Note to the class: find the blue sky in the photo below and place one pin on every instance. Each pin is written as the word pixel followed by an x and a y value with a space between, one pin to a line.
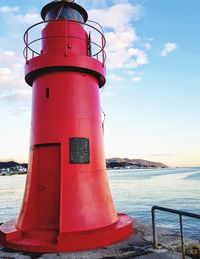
pixel 151 98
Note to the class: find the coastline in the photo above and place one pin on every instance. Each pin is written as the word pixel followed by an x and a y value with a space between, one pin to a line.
pixel 13 168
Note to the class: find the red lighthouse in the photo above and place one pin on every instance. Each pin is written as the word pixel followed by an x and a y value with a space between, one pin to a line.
pixel 67 203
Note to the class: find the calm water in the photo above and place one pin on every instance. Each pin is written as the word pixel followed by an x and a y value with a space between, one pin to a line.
pixel 134 192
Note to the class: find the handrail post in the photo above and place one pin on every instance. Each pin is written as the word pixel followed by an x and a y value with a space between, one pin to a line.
pixel 177 212
pixel 182 236
pixel 102 45
pixel 27 47
pixel 155 245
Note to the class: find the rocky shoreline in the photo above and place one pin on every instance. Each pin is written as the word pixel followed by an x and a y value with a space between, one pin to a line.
pixel 126 163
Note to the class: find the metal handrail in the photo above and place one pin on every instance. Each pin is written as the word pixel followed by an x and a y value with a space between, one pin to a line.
pixel 53 37
pixel 101 46
pixel 100 26
pixel 177 212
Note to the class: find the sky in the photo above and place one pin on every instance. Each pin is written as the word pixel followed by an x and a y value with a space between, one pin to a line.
pixel 151 98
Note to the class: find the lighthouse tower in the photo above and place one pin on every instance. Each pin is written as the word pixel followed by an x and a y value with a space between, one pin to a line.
pixel 67 204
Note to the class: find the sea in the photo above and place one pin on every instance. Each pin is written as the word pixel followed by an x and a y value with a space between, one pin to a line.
pixel 134 192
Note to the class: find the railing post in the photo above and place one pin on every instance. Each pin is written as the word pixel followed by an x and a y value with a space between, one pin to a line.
pixel 177 212
pixel 27 47
pixel 182 236
pixel 102 46
pixel 155 245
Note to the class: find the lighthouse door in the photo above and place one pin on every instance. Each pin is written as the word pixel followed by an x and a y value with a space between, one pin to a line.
pixel 48 185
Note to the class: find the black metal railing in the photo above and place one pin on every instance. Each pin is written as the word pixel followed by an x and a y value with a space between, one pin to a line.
pixel 177 212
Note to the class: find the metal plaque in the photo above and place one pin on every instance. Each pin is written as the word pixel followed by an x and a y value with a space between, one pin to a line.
pixel 79 151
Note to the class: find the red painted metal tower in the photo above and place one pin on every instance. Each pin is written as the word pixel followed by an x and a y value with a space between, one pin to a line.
pixel 67 203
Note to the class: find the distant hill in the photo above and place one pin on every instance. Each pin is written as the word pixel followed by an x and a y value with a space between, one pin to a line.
pixel 11 164
pixel 110 163
pixel 132 163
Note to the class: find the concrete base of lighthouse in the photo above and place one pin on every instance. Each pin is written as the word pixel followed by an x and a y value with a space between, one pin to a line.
pixel 40 240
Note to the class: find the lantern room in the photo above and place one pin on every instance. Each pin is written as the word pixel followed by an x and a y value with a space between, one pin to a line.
pixel 64 10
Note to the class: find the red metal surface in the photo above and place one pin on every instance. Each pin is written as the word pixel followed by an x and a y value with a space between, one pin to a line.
pixel 66 206
pixel 47 240
pixel 98 41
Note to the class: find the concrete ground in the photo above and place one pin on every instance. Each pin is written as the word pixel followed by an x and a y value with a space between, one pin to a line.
pixel 137 246
pixel 165 255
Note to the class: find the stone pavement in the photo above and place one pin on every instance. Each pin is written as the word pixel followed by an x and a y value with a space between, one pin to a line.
pixel 164 255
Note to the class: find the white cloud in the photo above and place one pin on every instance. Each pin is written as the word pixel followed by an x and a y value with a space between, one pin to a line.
pixel 9 9
pixel 15 95
pixel 15 102
pixel 137 78
pixel 139 57
pixel 124 59
pixel 11 71
pixel 116 17
pixel 115 78
pixel 119 40
pixel 168 48
pixel 5 75
pixel 121 35
pixel 28 18
pixel 6 53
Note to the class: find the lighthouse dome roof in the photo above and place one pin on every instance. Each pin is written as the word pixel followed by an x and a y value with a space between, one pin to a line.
pixel 64 10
